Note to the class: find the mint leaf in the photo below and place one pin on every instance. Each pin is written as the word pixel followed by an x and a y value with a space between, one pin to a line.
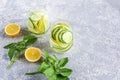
pixel 18 47
pixel 49 59
pixel 29 40
pixel 53 77
pixel 55 57
pixel 11 53
pixel 46 54
pixel 63 62
pixel 49 72
pixel 28 37
pixel 43 67
pixel 53 68
pixel 60 77
pixel 16 56
pixel 65 71
pixel 10 45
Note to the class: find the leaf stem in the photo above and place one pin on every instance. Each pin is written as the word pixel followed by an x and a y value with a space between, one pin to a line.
pixel 33 73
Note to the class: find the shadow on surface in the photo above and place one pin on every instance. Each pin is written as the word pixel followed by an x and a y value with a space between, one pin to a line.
pixel 22 59
pixel 24 31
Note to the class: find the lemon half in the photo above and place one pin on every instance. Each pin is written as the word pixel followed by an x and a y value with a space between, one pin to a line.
pixel 33 54
pixel 12 29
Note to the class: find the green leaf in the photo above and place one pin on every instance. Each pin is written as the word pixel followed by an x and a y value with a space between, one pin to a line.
pixel 60 77
pixel 63 62
pixel 10 45
pixel 49 58
pixel 55 57
pixel 11 53
pixel 19 47
pixel 54 69
pixel 29 40
pixel 17 55
pixel 53 77
pixel 49 72
pixel 28 37
pixel 43 67
pixel 65 71
pixel 46 54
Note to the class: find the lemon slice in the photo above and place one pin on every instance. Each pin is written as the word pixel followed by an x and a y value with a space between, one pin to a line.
pixel 12 29
pixel 33 54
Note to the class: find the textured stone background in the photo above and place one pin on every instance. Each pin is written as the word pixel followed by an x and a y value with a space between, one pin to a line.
pixel 95 54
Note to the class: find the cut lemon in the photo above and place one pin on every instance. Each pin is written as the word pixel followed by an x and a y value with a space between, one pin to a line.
pixel 12 29
pixel 33 54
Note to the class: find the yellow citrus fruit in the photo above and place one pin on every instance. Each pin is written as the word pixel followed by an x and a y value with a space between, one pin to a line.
pixel 12 29
pixel 33 54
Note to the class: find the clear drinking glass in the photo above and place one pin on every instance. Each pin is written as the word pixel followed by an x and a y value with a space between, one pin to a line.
pixel 38 23
pixel 61 37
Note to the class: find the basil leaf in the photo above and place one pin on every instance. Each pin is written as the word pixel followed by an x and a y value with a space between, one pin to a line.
pixel 11 53
pixel 63 62
pixel 43 67
pixel 65 71
pixel 10 45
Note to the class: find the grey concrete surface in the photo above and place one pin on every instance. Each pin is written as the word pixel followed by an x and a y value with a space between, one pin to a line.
pixel 95 54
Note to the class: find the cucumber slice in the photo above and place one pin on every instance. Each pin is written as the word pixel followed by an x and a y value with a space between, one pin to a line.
pixel 36 15
pixel 30 23
pixel 60 36
pixel 54 32
pixel 67 37
pixel 31 26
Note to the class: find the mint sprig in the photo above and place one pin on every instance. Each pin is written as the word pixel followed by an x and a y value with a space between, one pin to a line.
pixel 16 48
pixel 53 68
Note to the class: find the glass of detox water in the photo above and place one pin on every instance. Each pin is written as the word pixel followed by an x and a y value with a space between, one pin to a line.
pixel 38 22
pixel 61 37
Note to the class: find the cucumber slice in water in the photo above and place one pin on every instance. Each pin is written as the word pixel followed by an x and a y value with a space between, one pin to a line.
pixel 61 38
pixel 67 37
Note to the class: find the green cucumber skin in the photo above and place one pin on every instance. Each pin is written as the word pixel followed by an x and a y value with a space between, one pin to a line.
pixel 32 22
pixel 54 32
